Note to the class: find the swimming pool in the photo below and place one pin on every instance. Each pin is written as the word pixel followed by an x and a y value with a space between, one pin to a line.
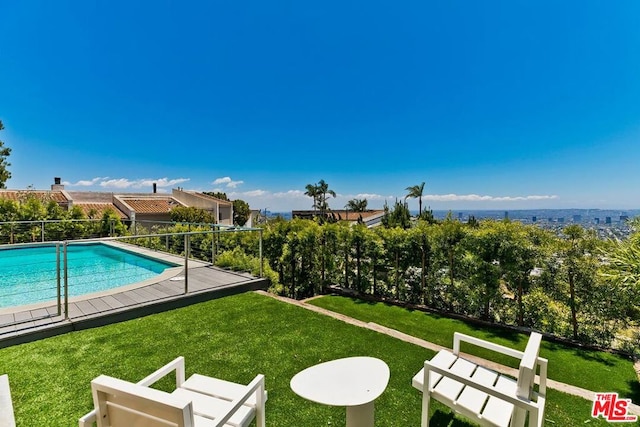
pixel 28 275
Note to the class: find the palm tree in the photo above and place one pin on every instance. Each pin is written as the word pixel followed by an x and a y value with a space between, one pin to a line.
pixel 323 189
pixel 357 205
pixel 416 192
pixel 313 192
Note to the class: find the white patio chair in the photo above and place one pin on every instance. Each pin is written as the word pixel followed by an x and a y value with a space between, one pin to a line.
pixel 200 401
pixel 7 418
pixel 481 394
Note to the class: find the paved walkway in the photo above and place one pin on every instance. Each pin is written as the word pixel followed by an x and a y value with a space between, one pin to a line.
pixel 556 385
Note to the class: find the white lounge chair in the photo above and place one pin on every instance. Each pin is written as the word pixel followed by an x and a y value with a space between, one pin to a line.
pixel 7 418
pixel 481 394
pixel 198 401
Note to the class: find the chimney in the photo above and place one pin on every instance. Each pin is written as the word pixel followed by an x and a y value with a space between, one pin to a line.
pixel 155 188
pixel 57 186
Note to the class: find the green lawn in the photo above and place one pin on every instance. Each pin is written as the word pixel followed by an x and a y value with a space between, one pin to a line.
pixel 593 370
pixel 233 338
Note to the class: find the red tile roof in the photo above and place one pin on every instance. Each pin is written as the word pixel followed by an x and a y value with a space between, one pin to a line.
pixel 44 195
pixel 152 205
pixel 99 209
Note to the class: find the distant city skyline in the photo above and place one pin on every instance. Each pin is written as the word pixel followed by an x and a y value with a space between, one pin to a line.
pixel 495 106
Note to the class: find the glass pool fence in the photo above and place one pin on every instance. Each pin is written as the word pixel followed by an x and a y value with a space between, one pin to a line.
pixel 48 272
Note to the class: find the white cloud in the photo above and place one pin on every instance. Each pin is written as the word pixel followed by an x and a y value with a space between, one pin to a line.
pixel 253 193
pixel 224 180
pixel 294 194
pixel 116 183
pixel 85 182
pixel 478 198
pixel 124 183
pixel 369 196
pixel 228 182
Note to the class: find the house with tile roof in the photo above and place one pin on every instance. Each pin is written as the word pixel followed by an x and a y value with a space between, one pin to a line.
pixel 62 198
pixel 145 207
pixel 152 206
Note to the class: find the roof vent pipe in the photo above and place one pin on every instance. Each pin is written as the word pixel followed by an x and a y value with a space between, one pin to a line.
pixel 155 188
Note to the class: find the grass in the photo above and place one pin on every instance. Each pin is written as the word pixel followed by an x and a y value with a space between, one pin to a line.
pixel 593 370
pixel 233 338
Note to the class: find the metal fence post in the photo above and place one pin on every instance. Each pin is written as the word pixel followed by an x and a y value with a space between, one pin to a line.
pixel 66 282
pixel 42 230
pixel 58 277
pixel 187 245
pixel 213 244
pixel 261 260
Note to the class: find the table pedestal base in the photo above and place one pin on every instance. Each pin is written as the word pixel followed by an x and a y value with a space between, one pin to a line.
pixel 360 416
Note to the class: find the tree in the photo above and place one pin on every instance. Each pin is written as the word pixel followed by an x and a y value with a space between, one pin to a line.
pixel 427 216
pixel 241 212
pixel 320 193
pixel 217 195
pixel 579 267
pixel 621 272
pixel 192 214
pixel 483 246
pixel 111 224
pixel 421 244
pixel 312 191
pixel 416 192
pixel 9 210
pixel 357 205
pixel 5 175
pixel 450 235
pixel 323 195
pixel 398 217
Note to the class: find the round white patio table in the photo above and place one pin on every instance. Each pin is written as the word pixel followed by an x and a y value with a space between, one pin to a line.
pixel 354 382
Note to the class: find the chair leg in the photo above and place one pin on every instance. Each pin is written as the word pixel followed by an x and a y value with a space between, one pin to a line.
pixel 425 409
pixel 426 397
pixel 260 407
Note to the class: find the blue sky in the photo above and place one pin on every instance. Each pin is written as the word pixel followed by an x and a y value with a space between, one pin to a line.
pixel 494 105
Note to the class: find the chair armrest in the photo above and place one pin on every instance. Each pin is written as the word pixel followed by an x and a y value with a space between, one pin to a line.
pixel 257 385
pixel 176 365
pixel 527 404
pixel 458 338
pixel 88 420
pixel 542 363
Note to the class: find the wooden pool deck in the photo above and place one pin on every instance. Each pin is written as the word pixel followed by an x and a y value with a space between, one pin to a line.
pixel 166 292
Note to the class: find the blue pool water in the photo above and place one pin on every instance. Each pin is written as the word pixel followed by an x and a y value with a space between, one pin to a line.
pixel 28 275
